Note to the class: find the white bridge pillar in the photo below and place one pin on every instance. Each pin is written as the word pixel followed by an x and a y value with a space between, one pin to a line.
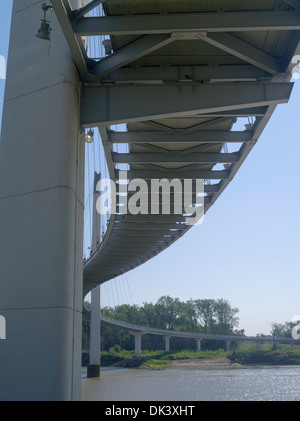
pixel 137 342
pixel 167 343
pixel 227 345
pixel 41 214
pixel 198 342
pixel 93 369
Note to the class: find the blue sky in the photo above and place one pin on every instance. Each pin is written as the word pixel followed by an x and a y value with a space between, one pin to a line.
pixel 248 248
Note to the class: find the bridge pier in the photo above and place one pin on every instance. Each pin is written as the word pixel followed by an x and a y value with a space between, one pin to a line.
pixel 198 342
pixel 137 342
pixel 227 345
pixel 93 368
pixel 258 345
pixel 167 343
pixel 42 197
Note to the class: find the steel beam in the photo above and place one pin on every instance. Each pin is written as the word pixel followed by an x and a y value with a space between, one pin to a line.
pixel 147 233
pixel 153 226
pixel 133 51
pixel 244 51
pixel 157 198
pixel 196 157
pixel 184 73
pixel 129 218
pixel 103 106
pixel 192 22
pixel 208 188
pixel 159 126
pixel 124 241
pixel 171 174
pixel 149 219
pixel 172 197
pixel 125 255
pixel 79 13
pixel 64 14
pixel 246 112
pixel 209 123
pixel 209 136
pixel 135 248
pixel 294 3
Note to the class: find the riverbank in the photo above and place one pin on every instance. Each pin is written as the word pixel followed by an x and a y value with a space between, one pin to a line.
pixel 204 362
pixel 244 355
pixel 134 362
pixel 164 359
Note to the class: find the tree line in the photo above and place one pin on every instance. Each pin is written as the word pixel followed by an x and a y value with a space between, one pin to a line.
pixel 213 316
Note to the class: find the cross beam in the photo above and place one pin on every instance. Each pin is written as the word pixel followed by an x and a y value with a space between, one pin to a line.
pixel 209 136
pixel 294 3
pixel 210 22
pixel 244 51
pixel 173 173
pixel 64 14
pixel 133 51
pixel 242 72
pixel 79 13
pixel 199 158
pixel 103 106
pixel 208 188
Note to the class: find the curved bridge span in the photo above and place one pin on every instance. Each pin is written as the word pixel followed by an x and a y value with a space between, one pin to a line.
pixel 178 76
pixel 137 331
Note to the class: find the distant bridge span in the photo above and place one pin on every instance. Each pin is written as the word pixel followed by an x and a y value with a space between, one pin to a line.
pixel 137 331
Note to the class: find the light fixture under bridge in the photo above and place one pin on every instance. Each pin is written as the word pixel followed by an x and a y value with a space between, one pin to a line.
pixel 44 28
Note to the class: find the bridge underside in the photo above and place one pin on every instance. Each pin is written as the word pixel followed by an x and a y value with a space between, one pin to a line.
pixel 179 75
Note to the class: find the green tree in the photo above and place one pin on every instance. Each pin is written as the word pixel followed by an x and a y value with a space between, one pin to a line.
pixel 225 315
pixel 205 312
pixel 189 316
pixel 201 315
pixel 169 311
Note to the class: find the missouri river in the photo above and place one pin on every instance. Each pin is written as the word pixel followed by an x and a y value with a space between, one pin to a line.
pixel 194 384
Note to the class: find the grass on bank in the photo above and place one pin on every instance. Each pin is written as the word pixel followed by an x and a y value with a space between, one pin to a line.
pixel 245 354
pixel 266 354
pixel 152 359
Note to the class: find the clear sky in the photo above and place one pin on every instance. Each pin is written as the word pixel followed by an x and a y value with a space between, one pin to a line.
pixel 248 248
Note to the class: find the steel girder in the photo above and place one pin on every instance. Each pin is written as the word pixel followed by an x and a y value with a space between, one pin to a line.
pixel 104 106
pixel 189 22
pixel 178 81
pixel 159 30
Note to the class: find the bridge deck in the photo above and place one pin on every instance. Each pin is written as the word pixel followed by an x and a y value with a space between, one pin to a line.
pixel 180 76
pixel 108 321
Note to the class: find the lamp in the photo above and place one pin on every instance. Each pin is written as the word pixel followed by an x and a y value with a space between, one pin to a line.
pixel 44 28
pixel 107 46
pixel 89 136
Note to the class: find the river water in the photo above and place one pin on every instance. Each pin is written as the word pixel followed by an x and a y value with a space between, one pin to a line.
pixel 194 384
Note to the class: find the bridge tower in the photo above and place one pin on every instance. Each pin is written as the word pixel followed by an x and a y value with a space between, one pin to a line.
pixel 93 369
pixel 41 213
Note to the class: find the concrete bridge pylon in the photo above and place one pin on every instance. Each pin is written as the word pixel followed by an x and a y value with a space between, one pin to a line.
pixel 41 213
